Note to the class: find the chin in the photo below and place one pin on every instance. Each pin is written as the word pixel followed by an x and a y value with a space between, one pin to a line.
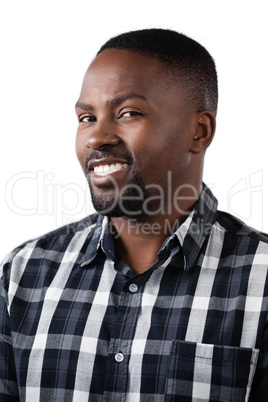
pixel 116 208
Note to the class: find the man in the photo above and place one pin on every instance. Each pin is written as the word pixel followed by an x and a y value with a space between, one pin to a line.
pixel 158 296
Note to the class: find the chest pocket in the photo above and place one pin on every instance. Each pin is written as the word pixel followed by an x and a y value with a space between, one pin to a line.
pixel 202 372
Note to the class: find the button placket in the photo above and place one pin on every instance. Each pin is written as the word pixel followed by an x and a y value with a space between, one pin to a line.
pixel 133 287
pixel 119 357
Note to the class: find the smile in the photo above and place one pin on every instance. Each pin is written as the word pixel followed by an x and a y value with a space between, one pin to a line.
pixel 106 169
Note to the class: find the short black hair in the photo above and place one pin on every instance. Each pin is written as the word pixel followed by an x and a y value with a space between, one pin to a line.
pixel 190 64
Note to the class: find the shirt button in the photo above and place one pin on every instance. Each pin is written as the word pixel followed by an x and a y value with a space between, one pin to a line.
pixel 133 288
pixel 119 357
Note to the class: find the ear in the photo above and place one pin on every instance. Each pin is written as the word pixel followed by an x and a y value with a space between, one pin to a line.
pixel 205 130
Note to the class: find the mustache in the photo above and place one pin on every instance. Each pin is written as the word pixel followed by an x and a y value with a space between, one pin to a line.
pixel 108 154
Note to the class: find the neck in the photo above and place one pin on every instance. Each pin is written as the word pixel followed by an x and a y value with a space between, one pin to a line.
pixel 139 239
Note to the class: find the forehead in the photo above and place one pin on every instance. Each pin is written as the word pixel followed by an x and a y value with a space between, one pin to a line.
pixel 125 69
pixel 125 60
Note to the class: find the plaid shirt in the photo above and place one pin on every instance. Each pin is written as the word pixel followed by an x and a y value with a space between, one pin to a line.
pixel 77 324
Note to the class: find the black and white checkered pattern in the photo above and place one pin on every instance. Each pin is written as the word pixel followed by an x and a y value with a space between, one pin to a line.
pixel 192 328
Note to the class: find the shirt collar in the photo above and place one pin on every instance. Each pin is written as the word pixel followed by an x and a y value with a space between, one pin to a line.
pixel 95 241
pixel 191 234
pixel 197 227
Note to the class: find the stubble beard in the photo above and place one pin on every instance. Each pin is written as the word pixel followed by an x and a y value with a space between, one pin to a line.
pixel 116 203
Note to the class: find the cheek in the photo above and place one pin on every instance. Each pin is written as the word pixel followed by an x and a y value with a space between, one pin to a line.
pixel 80 149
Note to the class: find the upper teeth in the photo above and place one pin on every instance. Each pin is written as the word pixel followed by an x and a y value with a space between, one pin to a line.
pixel 103 170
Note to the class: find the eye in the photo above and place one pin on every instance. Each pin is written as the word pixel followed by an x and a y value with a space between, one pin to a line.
pixel 86 119
pixel 130 113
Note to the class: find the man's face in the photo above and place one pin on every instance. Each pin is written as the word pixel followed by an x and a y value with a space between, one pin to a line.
pixel 134 134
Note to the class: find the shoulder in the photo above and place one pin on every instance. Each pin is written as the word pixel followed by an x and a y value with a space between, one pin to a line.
pixel 234 227
pixel 54 243
pixel 241 241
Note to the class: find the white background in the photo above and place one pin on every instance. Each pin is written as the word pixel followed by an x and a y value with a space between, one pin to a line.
pixel 45 49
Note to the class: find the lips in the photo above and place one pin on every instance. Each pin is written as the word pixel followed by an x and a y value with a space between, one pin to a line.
pixel 104 171
pixel 109 168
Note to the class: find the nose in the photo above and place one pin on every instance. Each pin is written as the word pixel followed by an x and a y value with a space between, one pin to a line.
pixel 102 134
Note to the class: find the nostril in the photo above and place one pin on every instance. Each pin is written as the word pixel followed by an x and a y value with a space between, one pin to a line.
pixel 101 141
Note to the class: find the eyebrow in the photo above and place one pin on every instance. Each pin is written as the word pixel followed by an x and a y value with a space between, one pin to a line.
pixel 115 101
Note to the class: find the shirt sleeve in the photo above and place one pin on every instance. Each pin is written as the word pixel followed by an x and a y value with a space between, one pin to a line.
pixel 259 390
pixel 8 379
